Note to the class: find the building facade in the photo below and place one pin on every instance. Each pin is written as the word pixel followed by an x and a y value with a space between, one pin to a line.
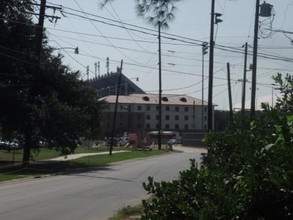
pixel 139 113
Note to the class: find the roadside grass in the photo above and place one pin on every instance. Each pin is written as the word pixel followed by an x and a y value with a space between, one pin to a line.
pixel 129 212
pixel 99 160
pixel 40 169
pixel 133 212
pixel 42 154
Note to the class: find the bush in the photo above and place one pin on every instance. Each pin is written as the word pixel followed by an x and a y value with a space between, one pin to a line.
pixel 247 173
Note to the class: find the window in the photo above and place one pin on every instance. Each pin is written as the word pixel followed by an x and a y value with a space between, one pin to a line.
pixel 176 117
pixel 186 127
pixel 183 99
pixel 139 108
pixel 186 109
pixel 148 108
pixel 157 117
pixel 177 108
pixel 148 117
pixel 167 126
pixel 167 108
pixel 148 126
pixel 146 98
pixel 186 117
pixel 177 126
pixel 167 117
pixel 157 108
pixel 205 118
pixel 165 99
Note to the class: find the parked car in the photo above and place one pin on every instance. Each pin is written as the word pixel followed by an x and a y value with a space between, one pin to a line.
pixel 123 141
pixel 9 145
pixel 172 141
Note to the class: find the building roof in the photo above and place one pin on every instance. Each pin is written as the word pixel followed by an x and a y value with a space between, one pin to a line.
pixel 153 99
pixel 106 84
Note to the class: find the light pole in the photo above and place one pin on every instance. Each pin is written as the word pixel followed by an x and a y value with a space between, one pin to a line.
pixel 204 51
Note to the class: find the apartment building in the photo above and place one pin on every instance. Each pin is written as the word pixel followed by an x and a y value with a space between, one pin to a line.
pixel 139 113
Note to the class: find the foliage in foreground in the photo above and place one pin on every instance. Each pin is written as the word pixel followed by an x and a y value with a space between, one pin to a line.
pixel 247 173
pixel 41 99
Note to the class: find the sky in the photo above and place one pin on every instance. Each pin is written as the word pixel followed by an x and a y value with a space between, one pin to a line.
pixel 118 33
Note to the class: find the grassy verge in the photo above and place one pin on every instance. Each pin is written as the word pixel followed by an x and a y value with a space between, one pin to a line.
pixel 38 169
pixel 130 211
pixel 42 154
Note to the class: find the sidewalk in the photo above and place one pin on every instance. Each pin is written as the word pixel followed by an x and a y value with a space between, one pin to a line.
pixel 189 149
pixel 177 147
pixel 77 156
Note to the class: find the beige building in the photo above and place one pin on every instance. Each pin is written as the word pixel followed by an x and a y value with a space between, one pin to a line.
pixel 139 113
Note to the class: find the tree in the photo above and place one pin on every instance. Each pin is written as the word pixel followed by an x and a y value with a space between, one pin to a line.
pixel 17 46
pixel 157 13
pixel 246 174
pixel 51 104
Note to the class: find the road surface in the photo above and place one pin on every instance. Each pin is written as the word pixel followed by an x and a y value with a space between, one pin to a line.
pixel 91 195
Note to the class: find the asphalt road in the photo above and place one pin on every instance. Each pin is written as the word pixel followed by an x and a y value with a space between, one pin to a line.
pixel 86 196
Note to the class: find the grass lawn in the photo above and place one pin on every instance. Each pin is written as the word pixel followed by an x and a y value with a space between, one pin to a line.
pixel 38 169
pixel 44 153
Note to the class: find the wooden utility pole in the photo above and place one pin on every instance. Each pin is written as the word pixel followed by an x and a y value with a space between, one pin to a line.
pixel 39 31
pixel 204 51
pixel 36 69
pixel 244 83
pixel 254 67
pixel 88 72
pixel 160 92
pixel 211 69
pixel 229 92
pixel 115 110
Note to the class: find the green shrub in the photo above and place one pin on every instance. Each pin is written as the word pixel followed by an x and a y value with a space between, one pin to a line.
pixel 246 174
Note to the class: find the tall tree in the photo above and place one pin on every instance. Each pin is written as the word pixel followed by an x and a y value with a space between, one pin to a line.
pixel 16 51
pixel 157 13
pixel 51 105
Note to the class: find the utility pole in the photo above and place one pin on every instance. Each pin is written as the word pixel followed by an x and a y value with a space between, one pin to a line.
pixel 88 72
pixel 214 20
pixel 244 83
pixel 160 91
pixel 107 65
pixel 36 70
pixel 96 68
pixel 115 110
pixel 99 71
pixel 229 92
pixel 204 51
pixel 211 70
pixel 254 67
pixel 39 31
